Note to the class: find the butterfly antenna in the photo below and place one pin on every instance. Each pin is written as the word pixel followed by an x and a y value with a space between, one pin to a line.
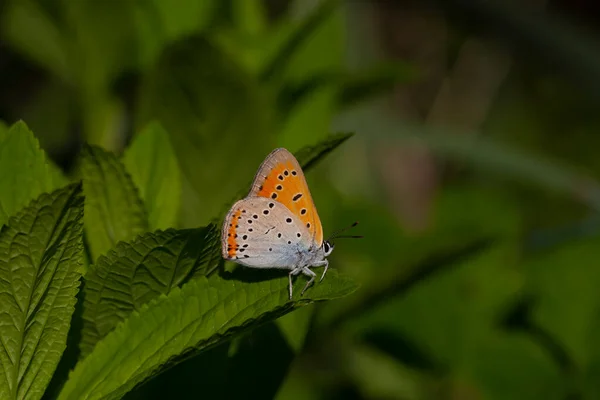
pixel 336 234
pixel 349 237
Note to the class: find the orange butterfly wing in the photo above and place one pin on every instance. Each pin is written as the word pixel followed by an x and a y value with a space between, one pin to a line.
pixel 280 178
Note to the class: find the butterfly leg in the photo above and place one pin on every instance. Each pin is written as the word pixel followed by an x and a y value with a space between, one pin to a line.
pixel 326 263
pixel 293 272
pixel 312 275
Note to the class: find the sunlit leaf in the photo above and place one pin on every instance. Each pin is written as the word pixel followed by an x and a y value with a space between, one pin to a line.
pixel 135 272
pixel 203 313
pixel 40 266
pixel 25 172
pixel 113 209
pixel 152 164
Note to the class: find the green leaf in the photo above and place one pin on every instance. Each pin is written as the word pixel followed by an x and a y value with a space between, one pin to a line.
pixel 152 163
pixel 136 272
pixel 203 313
pixel 40 265
pixel 219 119
pixel 24 171
pixel 113 209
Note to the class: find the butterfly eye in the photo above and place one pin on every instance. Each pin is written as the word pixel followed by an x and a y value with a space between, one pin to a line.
pixel 327 247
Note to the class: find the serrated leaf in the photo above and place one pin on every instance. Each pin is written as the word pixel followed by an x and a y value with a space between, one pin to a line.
pixel 136 272
pixel 113 209
pixel 24 170
pixel 40 265
pixel 152 163
pixel 203 313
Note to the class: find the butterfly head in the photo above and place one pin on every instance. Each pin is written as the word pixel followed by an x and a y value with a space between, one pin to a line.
pixel 327 248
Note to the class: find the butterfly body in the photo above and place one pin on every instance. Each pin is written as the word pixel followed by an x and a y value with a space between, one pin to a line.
pixel 277 225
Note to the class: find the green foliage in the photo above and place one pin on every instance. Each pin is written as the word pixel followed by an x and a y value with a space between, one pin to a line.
pixel 177 106
pixel 214 112
pixel 40 266
pixel 113 209
pixel 164 282
pixel 136 272
pixel 202 313
pixel 152 164
pixel 24 171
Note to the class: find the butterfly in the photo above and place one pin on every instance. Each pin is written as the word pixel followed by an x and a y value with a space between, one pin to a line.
pixel 277 224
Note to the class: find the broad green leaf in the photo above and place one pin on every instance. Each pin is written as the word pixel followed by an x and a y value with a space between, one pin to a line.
pixel 24 171
pixel 113 209
pixel 40 265
pixel 218 118
pixel 153 166
pixel 134 273
pixel 203 313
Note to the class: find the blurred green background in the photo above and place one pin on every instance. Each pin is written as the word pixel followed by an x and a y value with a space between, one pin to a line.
pixel 472 173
